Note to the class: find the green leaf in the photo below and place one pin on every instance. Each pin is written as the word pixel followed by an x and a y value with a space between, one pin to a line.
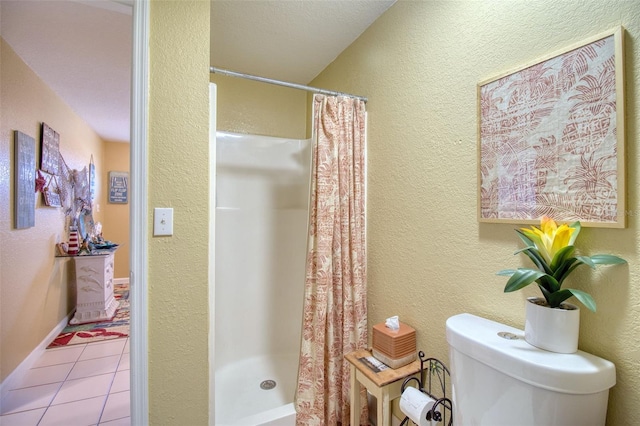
pixel 607 259
pixel 555 299
pixel 537 259
pixel 506 272
pixel 561 256
pixel 522 278
pixel 564 269
pixel 587 261
pixel 527 241
pixel 550 283
pixel 574 235
pixel 533 253
pixel 546 293
pixel 584 298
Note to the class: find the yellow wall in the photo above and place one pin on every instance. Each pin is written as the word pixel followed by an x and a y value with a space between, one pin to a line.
pixel 178 177
pixel 429 258
pixel 246 106
pixel 116 216
pixel 34 291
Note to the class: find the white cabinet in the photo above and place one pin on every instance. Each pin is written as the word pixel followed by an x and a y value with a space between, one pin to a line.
pixel 94 284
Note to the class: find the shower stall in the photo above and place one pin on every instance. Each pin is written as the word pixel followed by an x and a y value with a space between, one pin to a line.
pixel 261 232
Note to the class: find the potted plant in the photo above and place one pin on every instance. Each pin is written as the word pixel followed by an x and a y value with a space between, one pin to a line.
pixel 552 251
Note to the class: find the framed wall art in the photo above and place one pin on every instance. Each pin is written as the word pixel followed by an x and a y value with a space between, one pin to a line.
pixel 119 187
pixel 25 180
pixel 51 190
pixel 50 150
pixel 551 138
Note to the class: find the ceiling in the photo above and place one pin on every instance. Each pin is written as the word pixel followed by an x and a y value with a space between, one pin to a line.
pixel 82 48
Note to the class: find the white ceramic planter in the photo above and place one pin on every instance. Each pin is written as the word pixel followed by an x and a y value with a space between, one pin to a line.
pixel 552 329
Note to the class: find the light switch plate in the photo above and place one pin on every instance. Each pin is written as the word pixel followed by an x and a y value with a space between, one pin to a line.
pixel 162 221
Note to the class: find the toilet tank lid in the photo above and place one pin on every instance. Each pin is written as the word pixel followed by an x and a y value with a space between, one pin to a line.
pixel 577 373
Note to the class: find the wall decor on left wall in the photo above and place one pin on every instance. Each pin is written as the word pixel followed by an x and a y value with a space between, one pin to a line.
pixel 51 190
pixel 50 149
pixel 25 180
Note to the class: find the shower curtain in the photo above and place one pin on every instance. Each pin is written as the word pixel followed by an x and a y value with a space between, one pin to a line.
pixel 335 305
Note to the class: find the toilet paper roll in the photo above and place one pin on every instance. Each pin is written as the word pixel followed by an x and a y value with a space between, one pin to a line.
pixel 415 405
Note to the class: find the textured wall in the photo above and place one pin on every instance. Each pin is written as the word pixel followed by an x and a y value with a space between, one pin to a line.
pixel 429 258
pixel 246 106
pixel 116 216
pixel 179 178
pixel 34 285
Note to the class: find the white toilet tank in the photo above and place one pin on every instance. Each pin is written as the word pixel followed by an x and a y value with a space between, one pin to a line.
pixel 506 381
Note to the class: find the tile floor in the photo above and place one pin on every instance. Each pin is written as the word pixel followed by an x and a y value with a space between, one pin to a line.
pixel 79 385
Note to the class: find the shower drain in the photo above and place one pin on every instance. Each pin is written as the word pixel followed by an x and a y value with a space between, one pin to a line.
pixel 268 384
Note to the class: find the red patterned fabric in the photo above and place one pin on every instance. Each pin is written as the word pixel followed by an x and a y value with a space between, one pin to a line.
pixel 335 305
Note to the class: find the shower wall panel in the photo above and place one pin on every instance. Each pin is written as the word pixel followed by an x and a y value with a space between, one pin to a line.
pixel 261 233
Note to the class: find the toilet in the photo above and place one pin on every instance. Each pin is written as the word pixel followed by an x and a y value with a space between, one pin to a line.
pixel 499 379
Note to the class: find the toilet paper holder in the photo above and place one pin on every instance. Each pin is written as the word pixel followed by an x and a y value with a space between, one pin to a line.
pixel 435 382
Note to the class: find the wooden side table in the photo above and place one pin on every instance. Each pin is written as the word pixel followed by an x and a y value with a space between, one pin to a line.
pixel 384 385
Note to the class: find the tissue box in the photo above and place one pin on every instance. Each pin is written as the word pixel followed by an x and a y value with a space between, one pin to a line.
pixel 396 348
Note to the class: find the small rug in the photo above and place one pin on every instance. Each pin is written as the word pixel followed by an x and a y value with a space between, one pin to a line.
pixel 96 331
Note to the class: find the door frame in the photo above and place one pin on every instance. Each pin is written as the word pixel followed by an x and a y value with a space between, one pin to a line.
pixel 139 395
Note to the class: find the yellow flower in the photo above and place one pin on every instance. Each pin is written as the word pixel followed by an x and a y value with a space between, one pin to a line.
pixel 550 237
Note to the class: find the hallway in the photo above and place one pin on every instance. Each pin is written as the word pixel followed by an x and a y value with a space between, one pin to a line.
pixel 77 385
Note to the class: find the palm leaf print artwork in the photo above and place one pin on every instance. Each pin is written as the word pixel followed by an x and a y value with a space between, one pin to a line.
pixel 549 139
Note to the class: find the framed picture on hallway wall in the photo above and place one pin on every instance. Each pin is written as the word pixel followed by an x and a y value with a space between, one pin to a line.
pixel 551 138
pixel 119 187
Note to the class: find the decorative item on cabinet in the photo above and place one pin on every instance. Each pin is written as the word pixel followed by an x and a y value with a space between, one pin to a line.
pixel 73 241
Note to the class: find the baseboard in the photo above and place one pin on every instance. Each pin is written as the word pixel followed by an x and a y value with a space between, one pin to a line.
pixel 31 359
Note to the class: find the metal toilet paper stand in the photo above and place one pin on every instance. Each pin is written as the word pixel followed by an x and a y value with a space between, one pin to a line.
pixel 433 381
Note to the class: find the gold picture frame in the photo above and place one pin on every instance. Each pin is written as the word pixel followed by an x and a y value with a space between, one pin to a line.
pixel 551 138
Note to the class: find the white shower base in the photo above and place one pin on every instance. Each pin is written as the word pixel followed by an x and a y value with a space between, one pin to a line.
pixel 241 401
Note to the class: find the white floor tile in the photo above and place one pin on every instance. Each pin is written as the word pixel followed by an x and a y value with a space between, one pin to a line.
pixel 124 363
pixel 71 386
pixel 24 418
pixel 89 387
pixel 45 375
pixel 77 413
pixel 119 422
pixel 103 349
pixel 121 382
pixel 59 356
pixel 94 367
pixel 127 345
pixel 29 398
pixel 117 407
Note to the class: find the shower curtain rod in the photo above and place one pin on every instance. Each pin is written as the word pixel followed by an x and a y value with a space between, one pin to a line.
pixel 221 71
